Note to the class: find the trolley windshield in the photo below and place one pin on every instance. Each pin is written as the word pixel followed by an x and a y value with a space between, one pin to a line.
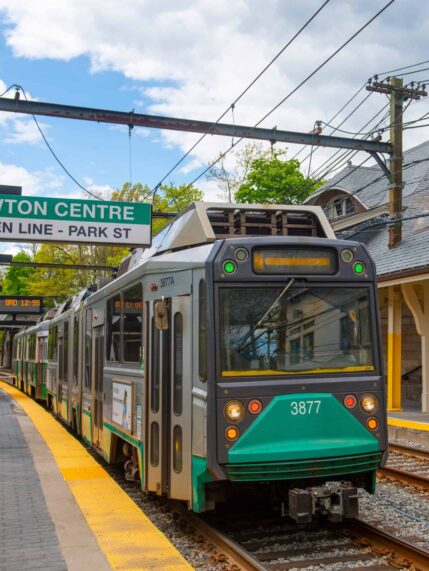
pixel 295 329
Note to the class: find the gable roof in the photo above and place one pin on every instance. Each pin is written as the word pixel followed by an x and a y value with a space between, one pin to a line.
pixel 372 188
pixel 370 185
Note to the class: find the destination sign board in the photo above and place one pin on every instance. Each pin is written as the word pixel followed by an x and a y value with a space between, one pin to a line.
pixel 20 304
pixel 31 219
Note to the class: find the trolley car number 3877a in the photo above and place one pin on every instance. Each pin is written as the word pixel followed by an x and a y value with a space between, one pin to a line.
pixel 302 407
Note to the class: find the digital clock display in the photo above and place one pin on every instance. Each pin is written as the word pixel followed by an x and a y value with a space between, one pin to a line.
pixel 20 304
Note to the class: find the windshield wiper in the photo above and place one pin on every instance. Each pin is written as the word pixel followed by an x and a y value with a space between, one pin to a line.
pixel 266 314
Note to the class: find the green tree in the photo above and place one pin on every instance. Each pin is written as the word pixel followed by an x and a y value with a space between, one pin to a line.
pixel 59 282
pixel 272 179
pixel 261 175
pixel 168 198
pixel 17 281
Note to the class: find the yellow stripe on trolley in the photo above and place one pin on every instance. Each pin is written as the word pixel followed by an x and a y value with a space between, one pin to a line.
pixel 262 372
pixel 127 537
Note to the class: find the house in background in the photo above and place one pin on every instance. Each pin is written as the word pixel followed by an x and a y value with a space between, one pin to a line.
pixel 356 203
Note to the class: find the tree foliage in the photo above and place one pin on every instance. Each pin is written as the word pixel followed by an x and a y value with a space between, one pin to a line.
pixel 260 175
pixel 168 198
pixel 272 179
pixel 17 281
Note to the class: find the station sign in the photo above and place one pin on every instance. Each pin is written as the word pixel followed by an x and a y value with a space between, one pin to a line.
pixel 22 304
pixel 31 219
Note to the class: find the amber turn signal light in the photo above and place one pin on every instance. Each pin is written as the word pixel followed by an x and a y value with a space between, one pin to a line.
pixel 232 433
pixel 254 406
pixel 350 401
pixel 372 423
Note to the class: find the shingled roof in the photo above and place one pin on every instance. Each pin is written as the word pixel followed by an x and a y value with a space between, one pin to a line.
pixel 371 187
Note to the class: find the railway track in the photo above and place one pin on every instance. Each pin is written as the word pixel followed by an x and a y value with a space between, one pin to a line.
pixel 275 546
pixel 407 465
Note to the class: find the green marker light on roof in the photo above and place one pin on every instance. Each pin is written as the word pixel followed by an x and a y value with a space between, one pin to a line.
pixel 229 267
pixel 359 267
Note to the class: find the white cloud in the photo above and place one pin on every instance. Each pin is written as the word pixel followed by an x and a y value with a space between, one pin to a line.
pixel 45 182
pixel 24 131
pixel 192 58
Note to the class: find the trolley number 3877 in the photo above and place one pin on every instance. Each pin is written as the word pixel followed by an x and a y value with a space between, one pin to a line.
pixel 302 407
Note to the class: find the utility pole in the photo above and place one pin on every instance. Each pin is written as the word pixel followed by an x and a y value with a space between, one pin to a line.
pixel 394 87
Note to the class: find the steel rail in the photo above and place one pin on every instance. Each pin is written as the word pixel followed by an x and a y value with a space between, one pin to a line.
pixel 419 556
pixel 410 451
pixel 221 541
pixel 404 476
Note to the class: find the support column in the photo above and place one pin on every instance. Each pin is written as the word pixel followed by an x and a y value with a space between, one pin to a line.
pixel 420 313
pixel 394 350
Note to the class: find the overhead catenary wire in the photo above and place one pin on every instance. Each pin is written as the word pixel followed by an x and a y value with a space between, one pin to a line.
pixel 376 129
pixel 334 129
pixel 336 115
pixel 303 82
pixel 340 161
pixel 349 154
pixel 68 173
pixel 386 222
pixel 237 99
pixel 400 68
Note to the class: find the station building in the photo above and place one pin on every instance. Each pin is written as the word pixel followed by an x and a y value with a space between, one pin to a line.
pixel 356 201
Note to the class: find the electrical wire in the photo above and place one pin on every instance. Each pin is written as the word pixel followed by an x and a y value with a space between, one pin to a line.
pixel 339 162
pixel 336 115
pixel 400 68
pixel 377 128
pixel 303 82
pixel 386 222
pixel 237 99
pixel 8 89
pixel 68 173
pixel 339 125
pixel 415 71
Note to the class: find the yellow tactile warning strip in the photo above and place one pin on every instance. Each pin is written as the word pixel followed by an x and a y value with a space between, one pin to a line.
pixel 127 537
pixel 414 424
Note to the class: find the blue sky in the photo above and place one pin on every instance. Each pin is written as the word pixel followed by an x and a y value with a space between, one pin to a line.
pixel 187 58
pixel 92 151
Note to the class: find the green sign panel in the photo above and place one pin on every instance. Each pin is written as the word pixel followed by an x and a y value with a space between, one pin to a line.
pixel 31 219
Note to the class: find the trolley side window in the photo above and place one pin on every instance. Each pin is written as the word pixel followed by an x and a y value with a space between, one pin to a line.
pixel 113 337
pixel 88 349
pixel 32 348
pixel 202 331
pixel 178 364
pixel 66 351
pixel 75 347
pixel 133 324
pixel 52 343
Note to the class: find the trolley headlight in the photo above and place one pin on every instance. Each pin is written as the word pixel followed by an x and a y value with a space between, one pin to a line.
pixel 369 403
pixel 234 411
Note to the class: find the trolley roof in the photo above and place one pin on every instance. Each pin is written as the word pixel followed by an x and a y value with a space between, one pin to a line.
pixel 205 222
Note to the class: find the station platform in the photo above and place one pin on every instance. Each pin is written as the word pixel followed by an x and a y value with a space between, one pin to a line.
pixel 59 509
pixel 409 425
